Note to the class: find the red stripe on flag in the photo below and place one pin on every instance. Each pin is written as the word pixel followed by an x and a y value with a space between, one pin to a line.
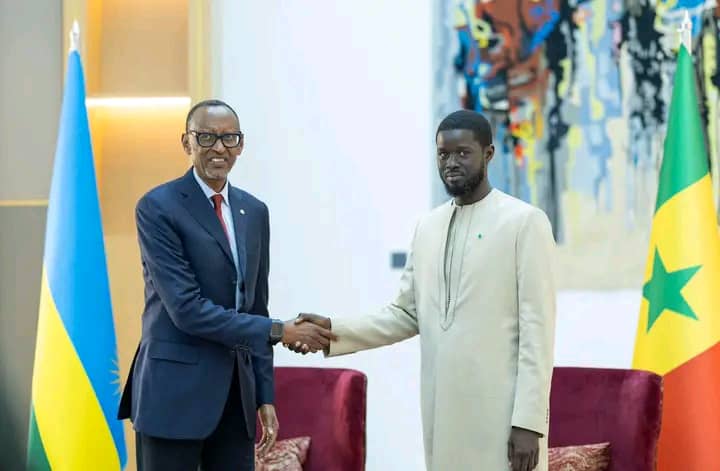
pixel 690 431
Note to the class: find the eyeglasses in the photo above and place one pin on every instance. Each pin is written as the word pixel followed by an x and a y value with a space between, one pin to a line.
pixel 208 139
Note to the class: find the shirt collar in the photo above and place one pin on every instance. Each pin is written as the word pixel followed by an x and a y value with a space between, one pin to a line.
pixel 209 192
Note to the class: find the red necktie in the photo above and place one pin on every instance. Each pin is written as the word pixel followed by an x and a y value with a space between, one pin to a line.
pixel 217 204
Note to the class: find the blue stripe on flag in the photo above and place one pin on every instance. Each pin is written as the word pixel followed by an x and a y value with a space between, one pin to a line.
pixel 75 252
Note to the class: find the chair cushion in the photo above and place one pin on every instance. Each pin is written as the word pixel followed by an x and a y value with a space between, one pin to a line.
pixel 285 455
pixel 594 457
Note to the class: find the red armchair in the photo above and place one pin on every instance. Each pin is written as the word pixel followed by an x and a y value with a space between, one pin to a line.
pixel 623 407
pixel 336 426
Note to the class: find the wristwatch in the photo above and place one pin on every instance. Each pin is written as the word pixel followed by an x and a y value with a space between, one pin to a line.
pixel 276 331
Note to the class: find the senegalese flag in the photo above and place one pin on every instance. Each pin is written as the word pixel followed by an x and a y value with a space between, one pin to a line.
pixel 679 325
pixel 75 386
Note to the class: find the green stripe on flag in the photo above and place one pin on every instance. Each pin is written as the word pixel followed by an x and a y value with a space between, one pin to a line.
pixel 36 459
pixel 685 160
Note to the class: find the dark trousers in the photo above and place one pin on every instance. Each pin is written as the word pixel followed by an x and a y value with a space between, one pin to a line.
pixel 228 448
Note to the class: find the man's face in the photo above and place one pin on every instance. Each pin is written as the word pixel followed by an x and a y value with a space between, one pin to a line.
pixel 462 161
pixel 212 163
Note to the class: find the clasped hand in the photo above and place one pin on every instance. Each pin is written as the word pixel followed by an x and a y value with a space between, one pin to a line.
pixel 308 333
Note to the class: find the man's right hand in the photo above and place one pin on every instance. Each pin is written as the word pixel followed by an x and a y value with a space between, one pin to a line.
pixel 310 319
pixel 304 337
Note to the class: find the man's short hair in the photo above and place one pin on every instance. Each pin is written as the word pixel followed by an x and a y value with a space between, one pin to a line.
pixel 207 104
pixel 470 120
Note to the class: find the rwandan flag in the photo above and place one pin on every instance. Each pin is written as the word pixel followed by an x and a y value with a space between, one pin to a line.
pixel 679 327
pixel 75 388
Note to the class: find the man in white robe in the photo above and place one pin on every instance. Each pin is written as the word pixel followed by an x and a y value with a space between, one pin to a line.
pixel 478 288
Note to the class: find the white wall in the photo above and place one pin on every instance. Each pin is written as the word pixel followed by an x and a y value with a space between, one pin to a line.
pixel 596 328
pixel 335 101
pixel 334 98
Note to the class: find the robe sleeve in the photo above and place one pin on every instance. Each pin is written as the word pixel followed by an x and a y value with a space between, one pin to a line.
pixel 535 249
pixel 393 323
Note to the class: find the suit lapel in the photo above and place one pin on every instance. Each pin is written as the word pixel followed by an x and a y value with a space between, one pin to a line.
pixel 240 223
pixel 201 209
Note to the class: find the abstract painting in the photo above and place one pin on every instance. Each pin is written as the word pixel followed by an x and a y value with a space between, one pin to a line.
pixel 578 93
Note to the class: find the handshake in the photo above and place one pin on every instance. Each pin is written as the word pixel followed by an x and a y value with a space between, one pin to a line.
pixel 308 333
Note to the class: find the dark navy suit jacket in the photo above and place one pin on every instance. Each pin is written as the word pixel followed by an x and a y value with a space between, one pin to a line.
pixel 192 335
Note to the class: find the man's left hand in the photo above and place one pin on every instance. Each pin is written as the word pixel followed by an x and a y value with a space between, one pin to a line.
pixel 523 449
pixel 270 428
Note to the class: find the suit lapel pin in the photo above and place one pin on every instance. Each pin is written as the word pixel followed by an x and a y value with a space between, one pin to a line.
pixel 242 211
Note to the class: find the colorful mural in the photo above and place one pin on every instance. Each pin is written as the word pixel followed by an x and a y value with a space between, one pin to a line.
pixel 549 74
pixel 578 93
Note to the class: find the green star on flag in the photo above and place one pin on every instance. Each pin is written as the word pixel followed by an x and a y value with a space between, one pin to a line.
pixel 663 291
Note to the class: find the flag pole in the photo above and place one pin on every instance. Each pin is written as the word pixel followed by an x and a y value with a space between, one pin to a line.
pixel 74 37
pixel 685 32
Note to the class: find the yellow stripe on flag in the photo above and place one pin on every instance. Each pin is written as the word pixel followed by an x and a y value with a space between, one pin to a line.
pixel 674 339
pixel 72 426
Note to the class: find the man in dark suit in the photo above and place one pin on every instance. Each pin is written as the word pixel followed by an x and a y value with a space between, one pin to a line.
pixel 204 365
